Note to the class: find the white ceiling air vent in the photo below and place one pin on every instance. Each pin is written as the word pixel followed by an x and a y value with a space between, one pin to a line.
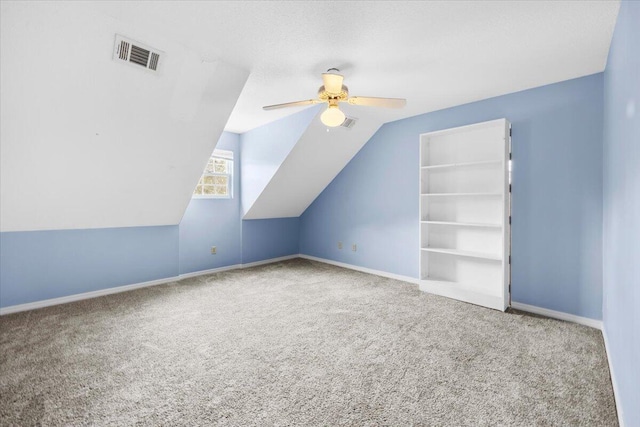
pixel 137 54
pixel 349 122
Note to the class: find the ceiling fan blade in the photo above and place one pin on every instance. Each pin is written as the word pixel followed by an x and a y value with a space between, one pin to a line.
pixel 291 104
pixel 370 101
pixel 332 82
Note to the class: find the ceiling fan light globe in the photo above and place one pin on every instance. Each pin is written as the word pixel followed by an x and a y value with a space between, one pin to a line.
pixel 332 117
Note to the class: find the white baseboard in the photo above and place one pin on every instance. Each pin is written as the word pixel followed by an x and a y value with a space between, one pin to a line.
pixel 519 306
pixel 115 290
pixel 444 289
pixel 363 269
pixel 431 288
pixel 236 266
pixel 614 383
pixel 84 295
pixel 210 271
pixel 269 261
pixel 557 315
pixel 516 305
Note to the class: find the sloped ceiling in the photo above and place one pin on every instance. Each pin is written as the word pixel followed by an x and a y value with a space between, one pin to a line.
pixel 437 54
pixel 264 150
pixel 316 159
pixel 87 142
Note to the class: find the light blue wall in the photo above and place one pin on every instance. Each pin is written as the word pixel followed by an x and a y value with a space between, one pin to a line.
pixel 39 265
pixel 269 238
pixel 621 231
pixel 264 149
pixel 213 222
pixel 557 195
pixel 217 222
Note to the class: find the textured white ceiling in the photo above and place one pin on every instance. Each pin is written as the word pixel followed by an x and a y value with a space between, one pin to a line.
pixel 435 54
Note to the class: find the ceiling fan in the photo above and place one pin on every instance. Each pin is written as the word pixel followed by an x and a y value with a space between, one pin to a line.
pixel 333 92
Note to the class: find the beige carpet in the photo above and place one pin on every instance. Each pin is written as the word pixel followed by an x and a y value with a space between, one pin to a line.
pixel 297 343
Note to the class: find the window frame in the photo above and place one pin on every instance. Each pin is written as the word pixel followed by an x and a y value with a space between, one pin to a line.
pixel 217 154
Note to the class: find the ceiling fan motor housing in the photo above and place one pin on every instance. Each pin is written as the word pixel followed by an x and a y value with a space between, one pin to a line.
pixel 325 95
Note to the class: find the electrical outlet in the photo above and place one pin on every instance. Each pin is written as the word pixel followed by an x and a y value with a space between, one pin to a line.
pixel 339 245
pixel 354 247
pixel 214 250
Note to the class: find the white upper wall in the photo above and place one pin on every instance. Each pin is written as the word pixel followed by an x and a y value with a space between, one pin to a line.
pixel 311 165
pixel 87 142
pixel 264 149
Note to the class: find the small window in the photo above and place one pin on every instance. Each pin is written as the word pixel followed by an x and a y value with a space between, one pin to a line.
pixel 217 179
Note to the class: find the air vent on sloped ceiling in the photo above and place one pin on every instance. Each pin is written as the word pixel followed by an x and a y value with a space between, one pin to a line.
pixel 349 122
pixel 137 54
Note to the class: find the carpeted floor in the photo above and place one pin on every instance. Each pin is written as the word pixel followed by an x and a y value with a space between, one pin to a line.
pixel 297 343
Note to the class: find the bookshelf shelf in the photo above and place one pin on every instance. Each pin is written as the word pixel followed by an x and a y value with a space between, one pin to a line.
pixel 464 213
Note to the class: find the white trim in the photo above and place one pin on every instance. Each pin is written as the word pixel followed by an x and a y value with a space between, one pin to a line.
pixel 222 154
pixel 363 269
pixel 557 315
pixel 582 321
pixel 462 293
pixel 115 290
pixel 516 305
pixel 210 271
pixel 237 266
pixel 270 261
pixel 614 383
pixel 93 294
pixel 427 286
pixel 424 287
pixel 82 296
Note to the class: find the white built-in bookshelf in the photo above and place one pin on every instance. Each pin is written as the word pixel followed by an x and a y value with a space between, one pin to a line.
pixel 464 213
